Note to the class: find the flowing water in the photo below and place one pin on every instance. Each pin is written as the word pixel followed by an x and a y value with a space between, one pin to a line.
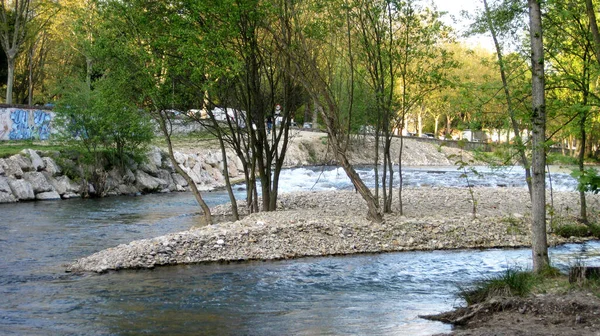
pixel 369 294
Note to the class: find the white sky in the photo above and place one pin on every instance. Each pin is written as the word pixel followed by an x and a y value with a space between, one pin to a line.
pixel 453 9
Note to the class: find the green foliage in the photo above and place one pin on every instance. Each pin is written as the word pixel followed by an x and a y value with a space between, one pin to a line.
pixel 588 179
pixel 101 120
pixel 577 230
pixel 512 282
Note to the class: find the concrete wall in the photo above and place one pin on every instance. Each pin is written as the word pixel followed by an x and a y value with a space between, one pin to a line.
pixel 18 123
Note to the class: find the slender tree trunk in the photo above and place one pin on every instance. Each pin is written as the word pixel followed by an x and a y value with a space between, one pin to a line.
pixel 206 210
pixel 509 105
pixel 538 198
pixel 581 159
pixel 594 28
pixel 10 79
pixel 30 77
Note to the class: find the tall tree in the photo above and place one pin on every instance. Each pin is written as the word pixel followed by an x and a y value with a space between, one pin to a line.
pixel 15 19
pixel 538 121
pixel 507 93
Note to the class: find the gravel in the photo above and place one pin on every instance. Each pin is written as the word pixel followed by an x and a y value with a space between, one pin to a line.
pixel 334 223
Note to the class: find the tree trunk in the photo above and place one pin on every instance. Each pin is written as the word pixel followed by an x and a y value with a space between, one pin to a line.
pixel 581 158
pixel 163 125
pixel 10 79
pixel 594 28
pixel 509 105
pixel 539 243
pixel 30 77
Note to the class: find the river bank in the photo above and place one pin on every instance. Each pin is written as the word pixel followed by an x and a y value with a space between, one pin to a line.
pixel 334 223
pixel 36 175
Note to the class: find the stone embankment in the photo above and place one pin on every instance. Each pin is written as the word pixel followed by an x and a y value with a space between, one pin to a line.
pixel 333 223
pixel 33 175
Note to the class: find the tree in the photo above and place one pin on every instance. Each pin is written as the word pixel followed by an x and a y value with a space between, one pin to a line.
pixel 318 57
pixel 15 19
pixel 538 121
pixel 508 95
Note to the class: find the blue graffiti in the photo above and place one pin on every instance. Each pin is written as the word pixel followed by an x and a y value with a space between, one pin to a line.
pixel 42 121
pixel 34 125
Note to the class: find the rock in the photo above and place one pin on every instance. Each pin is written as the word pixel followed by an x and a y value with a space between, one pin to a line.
pixel 2 167
pixel 155 156
pixel 127 189
pixel 38 182
pixel 23 162
pixel 7 197
pixel 179 180
pixel 12 168
pixel 149 167
pixel 70 195
pixel 212 159
pixel 129 176
pixel 46 196
pixel 51 167
pixel 180 158
pixel 21 189
pixel 147 183
pixel 166 176
pixel 36 161
pixel 63 185
pixel 4 187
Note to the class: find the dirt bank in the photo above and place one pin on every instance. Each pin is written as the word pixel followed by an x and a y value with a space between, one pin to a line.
pixel 568 314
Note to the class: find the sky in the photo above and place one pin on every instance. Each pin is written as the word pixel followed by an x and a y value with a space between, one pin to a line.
pixel 453 9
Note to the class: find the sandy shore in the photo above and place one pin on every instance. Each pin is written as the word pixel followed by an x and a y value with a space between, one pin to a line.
pixel 333 223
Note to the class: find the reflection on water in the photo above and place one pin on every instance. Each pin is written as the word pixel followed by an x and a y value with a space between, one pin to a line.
pixel 360 294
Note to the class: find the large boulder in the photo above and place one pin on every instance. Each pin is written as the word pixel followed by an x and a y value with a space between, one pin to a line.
pixel 155 156
pixel 180 158
pixel 51 166
pixel 23 162
pixel 149 167
pixel 179 180
pixel 212 159
pixel 47 196
pixel 2 164
pixel 129 176
pixel 7 197
pixel 21 189
pixel 38 182
pixel 127 189
pixel 12 168
pixel 36 161
pixel 166 176
pixel 147 183
pixel 63 185
pixel 4 187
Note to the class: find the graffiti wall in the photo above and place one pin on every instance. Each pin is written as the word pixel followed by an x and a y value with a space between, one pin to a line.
pixel 24 124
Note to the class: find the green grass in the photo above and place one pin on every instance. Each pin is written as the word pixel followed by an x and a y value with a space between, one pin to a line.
pixel 513 282
pixel 577 230
pixel 9 148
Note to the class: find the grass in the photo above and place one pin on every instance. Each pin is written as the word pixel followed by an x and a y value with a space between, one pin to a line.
pixel 512 282
pixel 9 148
pixel 576 229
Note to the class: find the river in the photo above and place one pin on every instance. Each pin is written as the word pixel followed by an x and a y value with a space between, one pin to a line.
pixel 370 294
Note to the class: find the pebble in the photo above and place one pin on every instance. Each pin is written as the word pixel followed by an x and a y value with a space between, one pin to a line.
pixel 319 223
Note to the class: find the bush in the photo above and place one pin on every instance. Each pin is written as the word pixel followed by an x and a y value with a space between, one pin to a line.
pixel 578 230
pixel 513 282
pixel 101 122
